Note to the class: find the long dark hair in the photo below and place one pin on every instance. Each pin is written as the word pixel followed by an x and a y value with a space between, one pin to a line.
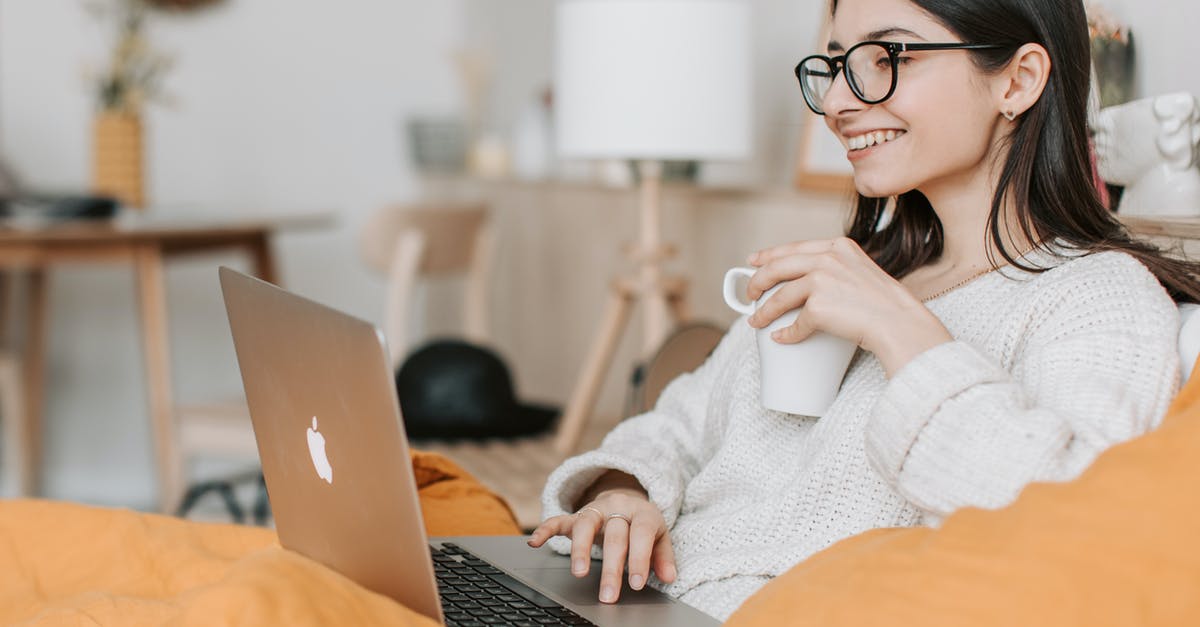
pixel 1047 172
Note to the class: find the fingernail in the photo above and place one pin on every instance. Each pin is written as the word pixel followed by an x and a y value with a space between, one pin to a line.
pixel 777 335
pixel 578 567
pixel 669 571
pixel 608 594
pixel 636 582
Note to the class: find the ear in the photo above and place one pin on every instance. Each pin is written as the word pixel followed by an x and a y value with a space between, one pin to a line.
pixel 1020 84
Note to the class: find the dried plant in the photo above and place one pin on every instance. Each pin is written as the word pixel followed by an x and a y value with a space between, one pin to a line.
pixel 133 74
pixel 1102 24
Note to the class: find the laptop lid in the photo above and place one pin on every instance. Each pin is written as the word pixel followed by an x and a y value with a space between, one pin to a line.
pixel 330 439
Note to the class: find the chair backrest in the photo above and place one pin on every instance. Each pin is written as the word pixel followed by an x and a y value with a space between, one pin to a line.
pixel 683 351
pixel 410 242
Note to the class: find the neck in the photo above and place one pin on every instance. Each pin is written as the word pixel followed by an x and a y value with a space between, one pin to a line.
pixel 962 205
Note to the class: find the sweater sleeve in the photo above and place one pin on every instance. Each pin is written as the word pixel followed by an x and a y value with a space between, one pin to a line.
pixel 955 428
pixel 663 448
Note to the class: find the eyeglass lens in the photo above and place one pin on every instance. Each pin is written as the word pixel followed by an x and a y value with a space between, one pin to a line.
pixel 869 72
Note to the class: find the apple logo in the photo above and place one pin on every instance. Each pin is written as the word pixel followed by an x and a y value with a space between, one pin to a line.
pixel 316 448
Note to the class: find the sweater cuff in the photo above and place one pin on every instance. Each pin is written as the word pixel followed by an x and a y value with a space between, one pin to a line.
pixel 915 394
pixel 570 480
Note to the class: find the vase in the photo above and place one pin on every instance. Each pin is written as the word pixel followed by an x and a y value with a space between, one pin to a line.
pixel 117 157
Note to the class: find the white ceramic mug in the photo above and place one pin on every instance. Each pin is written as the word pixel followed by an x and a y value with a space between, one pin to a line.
pixel 801 378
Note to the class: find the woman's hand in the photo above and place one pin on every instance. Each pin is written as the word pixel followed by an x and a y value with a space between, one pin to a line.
pixel 638 536
pixel 843 292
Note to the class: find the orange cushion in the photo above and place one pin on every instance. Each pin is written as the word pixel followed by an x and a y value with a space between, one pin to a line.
pixel 1118 546
pixel 72 564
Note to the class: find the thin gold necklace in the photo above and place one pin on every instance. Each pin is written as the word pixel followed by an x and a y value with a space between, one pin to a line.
pixel 960 283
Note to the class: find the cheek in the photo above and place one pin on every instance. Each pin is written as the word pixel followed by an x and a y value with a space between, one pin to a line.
pixel 947 132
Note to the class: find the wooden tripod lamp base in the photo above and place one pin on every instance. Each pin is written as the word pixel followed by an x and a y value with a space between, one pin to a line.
pixel 661 297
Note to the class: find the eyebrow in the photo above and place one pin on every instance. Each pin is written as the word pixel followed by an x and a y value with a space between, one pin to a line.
pixel 876 35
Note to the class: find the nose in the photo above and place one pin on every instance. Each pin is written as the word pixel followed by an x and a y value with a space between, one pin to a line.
pixel 839 100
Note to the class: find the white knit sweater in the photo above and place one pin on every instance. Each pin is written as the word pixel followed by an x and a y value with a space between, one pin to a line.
pixel 1045 372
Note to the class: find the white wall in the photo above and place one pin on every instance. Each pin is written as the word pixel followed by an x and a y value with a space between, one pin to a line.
pixel 1166 43
pixel 297 105
pixel 282 105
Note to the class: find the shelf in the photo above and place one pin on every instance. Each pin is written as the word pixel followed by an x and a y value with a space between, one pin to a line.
pixel 1180 228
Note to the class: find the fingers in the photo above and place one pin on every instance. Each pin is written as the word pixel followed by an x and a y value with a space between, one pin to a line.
pixel 786 269
pixel 663 559
pixel 587 524
pixel 792 295
pixel 553 526
pixel 642 537
pixel 812 246
pixel 616 548
pixel 795 332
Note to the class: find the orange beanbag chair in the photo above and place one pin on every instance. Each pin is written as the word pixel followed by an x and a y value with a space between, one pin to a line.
pixel 1118 546
pixel 73 564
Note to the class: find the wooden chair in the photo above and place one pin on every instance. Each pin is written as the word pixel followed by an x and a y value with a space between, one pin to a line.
pixel 430 241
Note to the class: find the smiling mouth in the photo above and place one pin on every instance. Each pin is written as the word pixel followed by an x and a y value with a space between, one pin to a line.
pixel 874 138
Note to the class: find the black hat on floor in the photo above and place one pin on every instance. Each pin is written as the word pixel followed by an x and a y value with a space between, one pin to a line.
pixel 453 389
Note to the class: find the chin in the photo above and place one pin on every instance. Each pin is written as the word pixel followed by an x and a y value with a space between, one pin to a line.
pixel 873 187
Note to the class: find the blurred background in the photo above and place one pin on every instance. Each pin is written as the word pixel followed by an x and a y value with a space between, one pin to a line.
pixel 300 107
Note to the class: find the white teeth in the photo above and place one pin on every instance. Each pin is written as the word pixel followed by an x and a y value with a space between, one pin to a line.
pixel 873 138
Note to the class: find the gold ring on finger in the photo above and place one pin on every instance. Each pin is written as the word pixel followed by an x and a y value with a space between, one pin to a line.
pixel 627 519
pixel 593 509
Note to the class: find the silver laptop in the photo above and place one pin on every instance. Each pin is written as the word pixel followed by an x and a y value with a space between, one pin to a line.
pixel 335 457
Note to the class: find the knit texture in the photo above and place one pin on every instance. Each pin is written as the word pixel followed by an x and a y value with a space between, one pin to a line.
pixel 1046 370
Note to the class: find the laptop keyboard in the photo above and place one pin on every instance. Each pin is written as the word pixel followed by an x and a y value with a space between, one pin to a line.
pixel 475 593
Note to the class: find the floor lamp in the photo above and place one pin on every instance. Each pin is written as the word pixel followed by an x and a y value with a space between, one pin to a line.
pixel 648 81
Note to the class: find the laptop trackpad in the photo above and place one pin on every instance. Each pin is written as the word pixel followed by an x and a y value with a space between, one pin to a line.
pixel 585 591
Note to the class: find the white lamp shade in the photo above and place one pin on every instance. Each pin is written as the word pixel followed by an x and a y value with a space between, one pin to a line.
pixel 653 79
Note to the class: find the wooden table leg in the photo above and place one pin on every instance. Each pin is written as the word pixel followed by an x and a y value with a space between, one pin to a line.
pixel 35 377
pixel 583 398
pixel 157 357
pixel 264 259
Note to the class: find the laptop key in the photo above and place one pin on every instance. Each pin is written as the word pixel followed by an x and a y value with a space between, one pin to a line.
pixel 491 620
pixel 529 594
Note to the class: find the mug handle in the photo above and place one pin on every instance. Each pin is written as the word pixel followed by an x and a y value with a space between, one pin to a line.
pixel 732 298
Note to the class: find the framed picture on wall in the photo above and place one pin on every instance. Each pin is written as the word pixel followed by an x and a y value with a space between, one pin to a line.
pixel 821 162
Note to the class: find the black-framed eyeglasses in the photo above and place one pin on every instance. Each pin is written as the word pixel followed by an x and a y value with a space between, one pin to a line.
pixel 869 67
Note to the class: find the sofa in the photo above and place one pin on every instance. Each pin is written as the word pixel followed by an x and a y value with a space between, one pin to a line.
pixel 1120 545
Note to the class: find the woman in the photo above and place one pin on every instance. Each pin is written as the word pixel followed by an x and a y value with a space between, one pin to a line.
pixel 1009 328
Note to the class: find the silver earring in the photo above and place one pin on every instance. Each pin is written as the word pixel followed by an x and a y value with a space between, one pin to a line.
pixel 1010 116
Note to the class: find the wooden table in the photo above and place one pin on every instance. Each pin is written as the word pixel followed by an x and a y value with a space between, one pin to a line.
pixel 144 241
